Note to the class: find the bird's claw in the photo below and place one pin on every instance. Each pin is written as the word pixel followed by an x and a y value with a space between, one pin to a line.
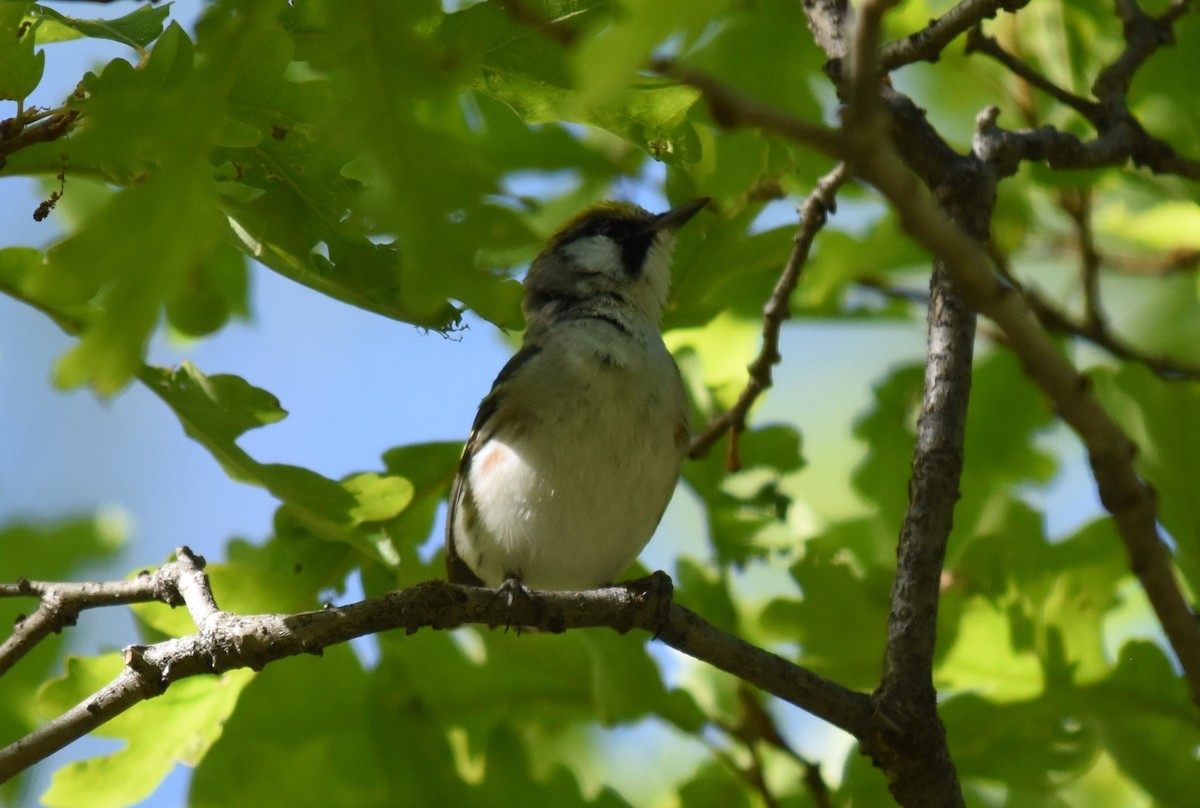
pixel 511 590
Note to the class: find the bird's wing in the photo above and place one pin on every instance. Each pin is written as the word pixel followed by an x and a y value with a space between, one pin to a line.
pixel 457 570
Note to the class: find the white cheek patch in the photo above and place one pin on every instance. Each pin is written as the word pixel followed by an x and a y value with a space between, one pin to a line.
pixel 596 254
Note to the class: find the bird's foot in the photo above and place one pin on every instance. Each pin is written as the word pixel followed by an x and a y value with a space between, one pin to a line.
pixel 657 588
pixel 514 590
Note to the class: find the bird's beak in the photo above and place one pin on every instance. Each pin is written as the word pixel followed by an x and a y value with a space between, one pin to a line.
pixel 675 218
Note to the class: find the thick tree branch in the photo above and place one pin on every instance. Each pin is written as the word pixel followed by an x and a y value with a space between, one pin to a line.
pixel 1122 492
pixel 225 642
pixel 1115 146
pixel 813 214
pixel 911 742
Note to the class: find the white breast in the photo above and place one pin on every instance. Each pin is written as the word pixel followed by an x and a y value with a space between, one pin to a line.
pixel 569 493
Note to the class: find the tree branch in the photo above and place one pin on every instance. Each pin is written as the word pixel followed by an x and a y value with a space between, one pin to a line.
pixel 1143 36
pixel 61 604
pixel 1077 203
pixel 979 42
pixel 18 133
pixel 731 110
pixel 911 741
pixel 1122 492
pixel 927 44
pixel 813 213
pixel 1120 136
pixel 1054 319
pixel 225 641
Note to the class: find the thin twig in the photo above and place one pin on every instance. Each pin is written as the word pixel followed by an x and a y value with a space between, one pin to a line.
pixel 1054 319
pixel 1179 259
pixel 927 44
pixel 755 725
pixel 61 603
pixel 813 213
pixel 1077 203
pixel 732 110
pixel 16 135
pixel 556 29
pixel 979 42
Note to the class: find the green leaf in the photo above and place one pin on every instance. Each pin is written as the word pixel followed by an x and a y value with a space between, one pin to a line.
pixel 510 682
pixel 1048 603
pixel 49 551
pixel 1026 745
pixel 285 746
pixel 706 590
pixel 128 279
pixel 430 467
pixel 212 291
pixel 20 68
pixel 1149 723
pixel 604 62
pixel 715 786
pixel 756 47
pixel 18 267
pixel 135 275
pixel 705 292
pixel 136 29
pixel 839 259
pixel 625 682
pixel 713 358
pixel 533 78
pixel 889 431
pixel 216 410
pixel 747 510
pixel 836 621
pixel 177 727
pixel 426 191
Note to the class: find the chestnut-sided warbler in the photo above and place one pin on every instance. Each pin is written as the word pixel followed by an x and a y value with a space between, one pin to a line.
pixel 575 452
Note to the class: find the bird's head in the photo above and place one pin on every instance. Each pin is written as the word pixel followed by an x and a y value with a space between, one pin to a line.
pixel 615 251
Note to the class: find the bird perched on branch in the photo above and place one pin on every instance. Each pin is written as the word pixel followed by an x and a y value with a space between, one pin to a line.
pixel 575 452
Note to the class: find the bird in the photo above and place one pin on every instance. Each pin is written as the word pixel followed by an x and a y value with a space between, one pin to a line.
pixel 576 450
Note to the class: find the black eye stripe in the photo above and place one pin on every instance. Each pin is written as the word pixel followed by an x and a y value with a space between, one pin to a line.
pixel 629 234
